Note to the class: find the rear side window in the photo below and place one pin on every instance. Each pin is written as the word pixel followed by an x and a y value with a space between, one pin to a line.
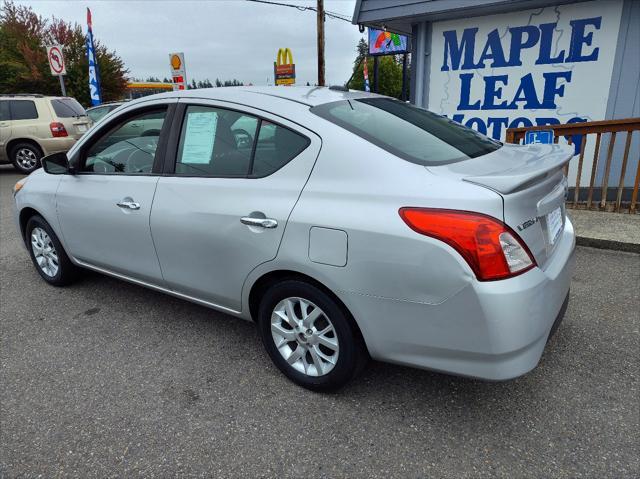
pixel 276 146
pixel 4 111
pixel 215 142
pixel 226 143
pixel 23 110
pixel 67 107
pixel 411 133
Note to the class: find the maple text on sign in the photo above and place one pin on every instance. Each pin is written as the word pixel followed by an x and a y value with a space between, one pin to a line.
pixel 460 54
pixel 500 50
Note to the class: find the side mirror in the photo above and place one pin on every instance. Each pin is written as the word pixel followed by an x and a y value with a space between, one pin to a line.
pixel 57 164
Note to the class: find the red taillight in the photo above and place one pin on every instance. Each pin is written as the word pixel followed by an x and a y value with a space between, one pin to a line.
pixel 57 129
pixel 492 249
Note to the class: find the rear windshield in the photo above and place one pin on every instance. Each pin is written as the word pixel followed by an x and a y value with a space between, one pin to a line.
pixel 67 107
pixel 412 133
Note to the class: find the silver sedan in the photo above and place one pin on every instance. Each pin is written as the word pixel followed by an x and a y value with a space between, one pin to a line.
pixel 348 226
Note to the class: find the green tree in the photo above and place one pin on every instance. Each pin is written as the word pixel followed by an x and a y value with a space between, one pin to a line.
pixel 23 59
pixel 389 76
pixel 389 71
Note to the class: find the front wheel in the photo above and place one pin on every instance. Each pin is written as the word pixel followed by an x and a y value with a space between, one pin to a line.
pixel 47 254
pixel 309 336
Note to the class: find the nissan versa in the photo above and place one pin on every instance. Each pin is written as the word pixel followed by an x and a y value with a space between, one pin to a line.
pixel 346 225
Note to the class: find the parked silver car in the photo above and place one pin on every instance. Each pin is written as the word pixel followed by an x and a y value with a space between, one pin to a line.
pixel 346 225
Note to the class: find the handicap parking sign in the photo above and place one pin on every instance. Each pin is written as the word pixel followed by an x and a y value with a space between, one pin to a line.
pixel 538 136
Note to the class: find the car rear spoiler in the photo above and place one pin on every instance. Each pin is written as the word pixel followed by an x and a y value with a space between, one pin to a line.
pixel 535 169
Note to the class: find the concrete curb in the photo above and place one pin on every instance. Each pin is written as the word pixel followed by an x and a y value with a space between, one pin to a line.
pixel 608 244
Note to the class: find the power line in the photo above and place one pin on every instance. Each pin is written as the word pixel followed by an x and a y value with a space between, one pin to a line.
pixel 302 8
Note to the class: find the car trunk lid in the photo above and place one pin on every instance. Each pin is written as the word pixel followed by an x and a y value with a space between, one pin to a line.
pixel 531 182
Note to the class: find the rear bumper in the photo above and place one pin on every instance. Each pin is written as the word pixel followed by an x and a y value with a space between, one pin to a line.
pixel 491 330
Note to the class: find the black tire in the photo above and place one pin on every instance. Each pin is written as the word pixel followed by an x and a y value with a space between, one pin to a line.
pixel 351 356
pixel 25 157
pixel 66 272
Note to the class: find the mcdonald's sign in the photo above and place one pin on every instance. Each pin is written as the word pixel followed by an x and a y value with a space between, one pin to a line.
pixel 284 70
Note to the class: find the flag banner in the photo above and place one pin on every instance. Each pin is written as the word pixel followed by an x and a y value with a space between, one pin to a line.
pixel 94 74
pixel 365 71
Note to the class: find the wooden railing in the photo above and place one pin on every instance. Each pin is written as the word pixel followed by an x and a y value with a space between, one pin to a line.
pixel 595 196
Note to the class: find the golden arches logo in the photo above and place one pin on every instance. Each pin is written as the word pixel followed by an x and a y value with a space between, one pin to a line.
pixel 284 54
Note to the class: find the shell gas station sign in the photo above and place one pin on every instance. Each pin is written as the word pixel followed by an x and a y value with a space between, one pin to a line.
pixel 178 71
pixel 284 70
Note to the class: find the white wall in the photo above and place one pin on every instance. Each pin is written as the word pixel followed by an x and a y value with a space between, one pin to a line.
pixel 564 76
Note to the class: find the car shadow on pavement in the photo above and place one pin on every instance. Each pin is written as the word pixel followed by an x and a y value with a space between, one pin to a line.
pixel 404 385
pixel 9 169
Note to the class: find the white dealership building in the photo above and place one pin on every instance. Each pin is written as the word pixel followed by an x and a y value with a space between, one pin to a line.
pixel 498 64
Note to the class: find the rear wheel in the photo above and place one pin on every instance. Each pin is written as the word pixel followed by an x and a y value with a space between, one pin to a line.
pixel 47 254
pixel 26 157
pixel 309 336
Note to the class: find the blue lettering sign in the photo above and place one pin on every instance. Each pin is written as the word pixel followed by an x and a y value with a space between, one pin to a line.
pixel 531 91
pixel 579 38
pixel 454 51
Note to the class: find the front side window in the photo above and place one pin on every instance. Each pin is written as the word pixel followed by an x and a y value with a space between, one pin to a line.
pixel 128 148
pixel 67 107
pixel 23 110
pixel 412 133
pixel 226 143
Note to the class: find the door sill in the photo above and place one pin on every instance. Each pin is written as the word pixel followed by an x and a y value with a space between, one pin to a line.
pixel 161 289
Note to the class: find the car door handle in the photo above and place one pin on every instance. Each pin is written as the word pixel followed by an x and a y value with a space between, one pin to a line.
pixel 259 222
pixel 130 205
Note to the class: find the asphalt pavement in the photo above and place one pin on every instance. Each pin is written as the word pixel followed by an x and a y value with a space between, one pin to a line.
pixel 108 379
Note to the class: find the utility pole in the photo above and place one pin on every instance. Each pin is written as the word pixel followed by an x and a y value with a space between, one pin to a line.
pixel 320 42
pixel 375 73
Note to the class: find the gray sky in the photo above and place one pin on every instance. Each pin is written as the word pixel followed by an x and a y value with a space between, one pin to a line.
pixel 220 38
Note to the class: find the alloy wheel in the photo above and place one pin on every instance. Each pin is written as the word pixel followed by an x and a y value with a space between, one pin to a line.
pixel 26 158
pixel 304 336
pixel 44 252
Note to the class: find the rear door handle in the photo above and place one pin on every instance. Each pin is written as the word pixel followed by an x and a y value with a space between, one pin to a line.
pixel 259 222
pixel 130 205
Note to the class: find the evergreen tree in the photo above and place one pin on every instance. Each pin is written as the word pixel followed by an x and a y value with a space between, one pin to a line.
pixel 362 49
